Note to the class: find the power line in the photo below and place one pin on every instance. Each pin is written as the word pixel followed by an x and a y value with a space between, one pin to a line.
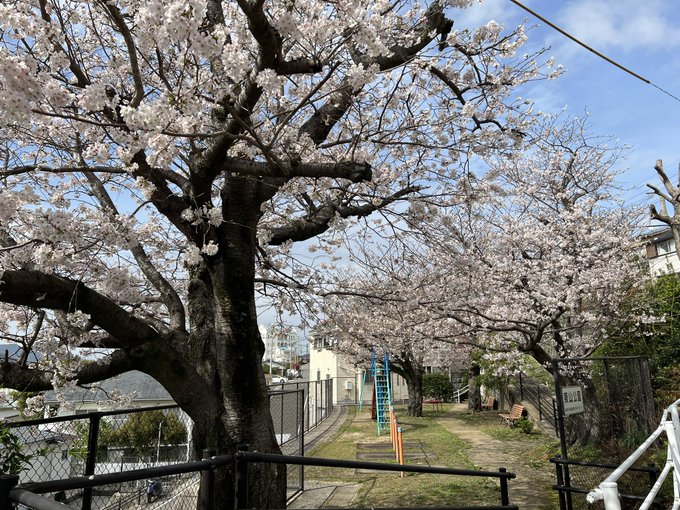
pixel 589 48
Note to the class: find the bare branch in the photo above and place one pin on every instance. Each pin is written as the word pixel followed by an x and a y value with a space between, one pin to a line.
pixel 117 18
pixel 171 299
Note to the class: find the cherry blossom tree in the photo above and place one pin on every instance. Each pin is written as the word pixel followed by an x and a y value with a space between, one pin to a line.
pixel 548 248
pixel 537 257
pixel 377 308
pixel 160 158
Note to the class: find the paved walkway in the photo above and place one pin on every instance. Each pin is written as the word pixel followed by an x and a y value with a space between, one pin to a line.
pixel 325 494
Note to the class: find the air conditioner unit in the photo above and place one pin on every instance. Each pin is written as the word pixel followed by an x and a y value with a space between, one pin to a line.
pixel 349 385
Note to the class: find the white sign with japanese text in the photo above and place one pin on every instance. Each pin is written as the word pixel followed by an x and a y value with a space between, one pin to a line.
pixel 572 400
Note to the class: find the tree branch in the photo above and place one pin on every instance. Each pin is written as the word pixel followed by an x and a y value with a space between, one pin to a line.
pixel 319 221
pixel 355 172
pixel 170 298
pixel 40 290
pixel 22 378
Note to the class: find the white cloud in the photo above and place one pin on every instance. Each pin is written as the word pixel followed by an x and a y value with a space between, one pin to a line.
pixel 623 24
pixel 481 12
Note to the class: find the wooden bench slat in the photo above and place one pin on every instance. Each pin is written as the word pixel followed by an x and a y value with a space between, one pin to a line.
pixel 488 404
pixel 515 414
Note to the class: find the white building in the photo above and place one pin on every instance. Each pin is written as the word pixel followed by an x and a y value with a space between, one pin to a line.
pixel 282 349
pixel 660 253
pixel 352 384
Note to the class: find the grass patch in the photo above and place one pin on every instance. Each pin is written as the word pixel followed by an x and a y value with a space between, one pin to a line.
pixel 414 489
pixel 489 423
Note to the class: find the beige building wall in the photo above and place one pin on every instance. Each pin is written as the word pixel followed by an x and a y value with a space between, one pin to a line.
pixel 348 379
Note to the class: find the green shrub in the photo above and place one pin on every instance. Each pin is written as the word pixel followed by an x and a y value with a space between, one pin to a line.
pixel 524 424
pixel 437 386
pixel 13 458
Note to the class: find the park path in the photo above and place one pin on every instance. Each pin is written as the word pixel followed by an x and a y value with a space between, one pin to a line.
pixel 532 489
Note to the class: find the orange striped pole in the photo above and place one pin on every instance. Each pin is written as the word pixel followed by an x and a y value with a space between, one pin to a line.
pixel 393 428
pixel 400 449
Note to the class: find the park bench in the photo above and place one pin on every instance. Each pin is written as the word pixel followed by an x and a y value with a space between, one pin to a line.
pixel 488 403
pixel 516 413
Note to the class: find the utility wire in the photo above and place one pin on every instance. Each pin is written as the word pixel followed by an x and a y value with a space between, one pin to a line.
pixel 584 45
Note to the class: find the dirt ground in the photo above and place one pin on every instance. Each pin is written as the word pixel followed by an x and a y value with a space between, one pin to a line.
pixel 532 489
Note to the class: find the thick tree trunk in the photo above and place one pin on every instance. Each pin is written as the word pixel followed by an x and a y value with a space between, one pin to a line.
pixel 474 390
pixel 225 350
pixel 415 395
pixel 413 374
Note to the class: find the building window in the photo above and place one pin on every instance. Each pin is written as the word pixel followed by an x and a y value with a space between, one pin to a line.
pixel 665 247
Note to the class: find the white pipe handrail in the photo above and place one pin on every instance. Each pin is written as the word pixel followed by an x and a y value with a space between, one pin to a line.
pixel 608 492
pixel 460 392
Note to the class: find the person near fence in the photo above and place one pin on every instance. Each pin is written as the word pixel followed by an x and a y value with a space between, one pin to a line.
pixel 153 490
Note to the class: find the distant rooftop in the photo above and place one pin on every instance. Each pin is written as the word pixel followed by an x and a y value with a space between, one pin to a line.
pixel 138 384
pixel 13 352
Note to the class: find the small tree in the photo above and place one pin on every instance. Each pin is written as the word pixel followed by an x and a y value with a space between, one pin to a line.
pixel 437 386
pixel 13 458
pixel 144 430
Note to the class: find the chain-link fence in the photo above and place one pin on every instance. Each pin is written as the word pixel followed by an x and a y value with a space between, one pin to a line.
pixel 317 397
pixel 60 447
pixel 606 402
pixel 287 407
pixel 606 399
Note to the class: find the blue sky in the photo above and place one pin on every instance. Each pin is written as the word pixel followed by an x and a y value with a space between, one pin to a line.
pixel 642 36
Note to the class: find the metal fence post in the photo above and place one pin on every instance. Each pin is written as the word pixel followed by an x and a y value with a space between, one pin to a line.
pixel 505 499
pixel 91 461
pixel 521 387
pixel 316 401
pixel 301 407
pixel 308 399
pixel 538 396
pixel 560 482
pixel 241 479
pixel 7 483
pixel 282 400
pixel 330 399
pixel 207 485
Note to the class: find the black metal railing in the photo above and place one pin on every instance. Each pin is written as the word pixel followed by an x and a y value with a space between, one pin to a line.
pixel 575 479
pixel 204 482
pixel 83 444
pixel 541 396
